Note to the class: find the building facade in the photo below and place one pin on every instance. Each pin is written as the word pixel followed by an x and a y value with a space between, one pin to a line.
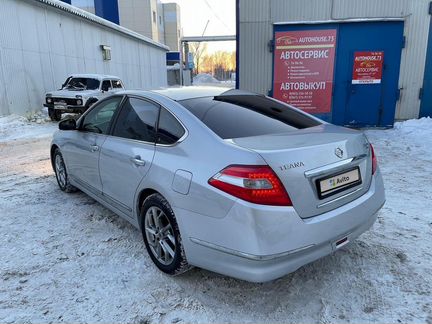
pixel 151 18
pixel 64 40
pixel 390 36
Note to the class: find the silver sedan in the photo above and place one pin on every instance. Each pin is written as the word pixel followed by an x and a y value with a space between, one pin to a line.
pixel 229 181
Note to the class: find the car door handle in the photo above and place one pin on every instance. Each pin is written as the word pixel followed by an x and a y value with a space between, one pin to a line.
pixel 137 161
pixel 94 148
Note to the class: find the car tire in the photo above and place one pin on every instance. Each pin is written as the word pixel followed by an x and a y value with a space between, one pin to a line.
pixel 162 236
pixel 61 173
pixel 54 114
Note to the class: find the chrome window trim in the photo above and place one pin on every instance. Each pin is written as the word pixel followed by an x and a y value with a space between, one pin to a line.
pixel 181 139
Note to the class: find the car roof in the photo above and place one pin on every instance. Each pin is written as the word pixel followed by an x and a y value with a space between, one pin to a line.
pixel 190 92
pixel 183 93
pixel 95 76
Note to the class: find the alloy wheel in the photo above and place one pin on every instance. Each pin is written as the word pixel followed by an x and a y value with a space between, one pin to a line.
pixel 60 170
pixel 160 235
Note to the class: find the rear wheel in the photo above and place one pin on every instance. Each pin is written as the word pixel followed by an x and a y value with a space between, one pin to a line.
pixel 162 236
pixel 61 173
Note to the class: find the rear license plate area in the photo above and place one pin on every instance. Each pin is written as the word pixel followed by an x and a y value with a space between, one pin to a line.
pixel 338 182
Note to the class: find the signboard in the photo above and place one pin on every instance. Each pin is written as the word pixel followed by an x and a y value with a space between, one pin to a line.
pixel 368 67
pixel 303 69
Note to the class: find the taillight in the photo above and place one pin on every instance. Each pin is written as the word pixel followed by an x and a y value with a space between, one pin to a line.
pixel 254 183
pixel 374 160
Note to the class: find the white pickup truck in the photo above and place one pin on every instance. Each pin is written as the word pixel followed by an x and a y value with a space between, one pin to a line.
pixel 79 92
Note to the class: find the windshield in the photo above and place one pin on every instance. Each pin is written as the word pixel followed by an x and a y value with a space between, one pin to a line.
pixel 82 84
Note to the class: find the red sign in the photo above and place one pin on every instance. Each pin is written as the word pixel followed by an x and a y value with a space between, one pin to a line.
pixel 303 69
pixel 367 67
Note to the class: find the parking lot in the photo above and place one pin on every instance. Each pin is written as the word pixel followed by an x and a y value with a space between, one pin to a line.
pixel 64 257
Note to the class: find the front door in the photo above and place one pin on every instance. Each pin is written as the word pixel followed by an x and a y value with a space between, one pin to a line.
pixel 127 155
pixel 83 150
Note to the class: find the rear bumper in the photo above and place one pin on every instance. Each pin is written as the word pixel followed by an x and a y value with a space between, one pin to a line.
pixel 262 243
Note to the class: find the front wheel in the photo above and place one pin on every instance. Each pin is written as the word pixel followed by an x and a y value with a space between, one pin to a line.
pixel 162 236
pixel 55 115
pixel 61 173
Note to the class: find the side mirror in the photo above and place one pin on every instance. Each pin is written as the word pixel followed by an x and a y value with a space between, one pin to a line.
pixel 68 124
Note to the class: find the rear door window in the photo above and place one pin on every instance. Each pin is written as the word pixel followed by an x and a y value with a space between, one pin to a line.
pixel 244 116
pixel 137 120
pixel 169 130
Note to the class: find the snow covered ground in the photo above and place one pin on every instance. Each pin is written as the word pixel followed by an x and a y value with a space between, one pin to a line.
pixel 65 258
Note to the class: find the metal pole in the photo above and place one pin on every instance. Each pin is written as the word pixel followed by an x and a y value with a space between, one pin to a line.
pixel 181 62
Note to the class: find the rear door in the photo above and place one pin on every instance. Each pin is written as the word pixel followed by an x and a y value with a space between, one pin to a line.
pixel 126 155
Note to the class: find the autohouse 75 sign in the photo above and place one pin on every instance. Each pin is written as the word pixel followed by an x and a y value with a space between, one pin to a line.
pixel 368 67
pixel 303 69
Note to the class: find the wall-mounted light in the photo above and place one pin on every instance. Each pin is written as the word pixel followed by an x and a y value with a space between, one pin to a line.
pixel 106 52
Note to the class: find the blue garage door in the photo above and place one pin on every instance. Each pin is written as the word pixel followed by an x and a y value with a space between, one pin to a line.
pixel 358 102
pixel 426 92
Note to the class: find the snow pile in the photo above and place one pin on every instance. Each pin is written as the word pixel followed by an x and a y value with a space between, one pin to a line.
pixel 204 78
pixel 65 258
pixel 412 136
pixel 14 127
pixel 417 127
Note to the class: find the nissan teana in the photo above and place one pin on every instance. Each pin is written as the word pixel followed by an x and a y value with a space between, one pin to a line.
pixel 226 180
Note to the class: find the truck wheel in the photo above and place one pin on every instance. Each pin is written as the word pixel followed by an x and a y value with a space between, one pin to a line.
pixel 55 115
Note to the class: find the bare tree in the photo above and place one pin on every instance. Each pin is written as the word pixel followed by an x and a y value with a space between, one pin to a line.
pixel 198 49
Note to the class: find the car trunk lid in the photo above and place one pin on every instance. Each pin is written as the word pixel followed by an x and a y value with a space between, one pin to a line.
pixel 309 161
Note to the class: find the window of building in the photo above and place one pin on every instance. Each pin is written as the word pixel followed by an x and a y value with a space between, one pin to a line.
pixel 154 17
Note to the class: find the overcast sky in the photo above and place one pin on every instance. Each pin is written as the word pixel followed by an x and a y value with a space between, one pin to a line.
pixel 219 13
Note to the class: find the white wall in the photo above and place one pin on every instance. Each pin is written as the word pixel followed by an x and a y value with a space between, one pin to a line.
pixel 256 29
pixel 41 45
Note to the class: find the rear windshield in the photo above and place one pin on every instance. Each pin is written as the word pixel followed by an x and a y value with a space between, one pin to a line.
pixel 243 116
